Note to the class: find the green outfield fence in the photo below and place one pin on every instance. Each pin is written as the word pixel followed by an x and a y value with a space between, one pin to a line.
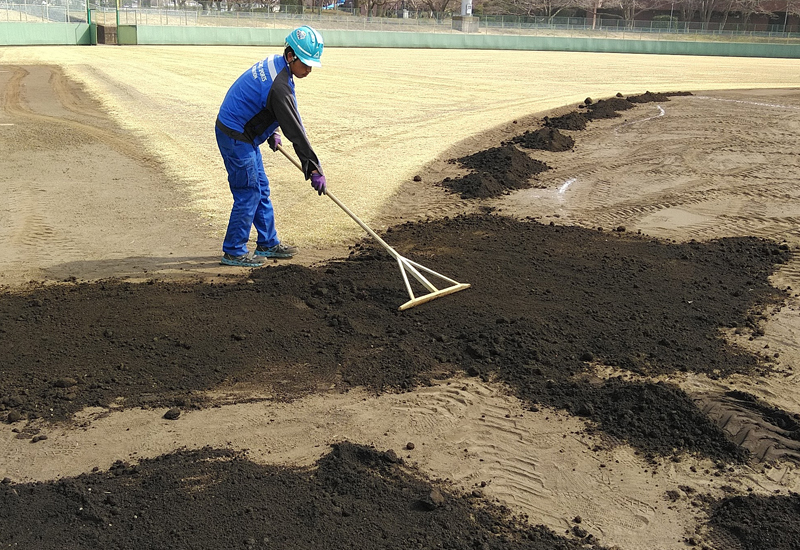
pixel 371 39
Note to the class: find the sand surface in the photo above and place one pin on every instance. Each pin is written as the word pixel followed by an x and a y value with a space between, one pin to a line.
pixel 112 171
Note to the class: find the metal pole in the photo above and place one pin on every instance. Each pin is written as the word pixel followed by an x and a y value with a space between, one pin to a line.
pixel 786 16
pixel 671 8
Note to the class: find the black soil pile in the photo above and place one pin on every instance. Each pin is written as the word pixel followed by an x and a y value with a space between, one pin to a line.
pixel 570 121
pixel 757 522
pixel 650 97
pixel 648 413
pixel 355 497
pixel 492 173
pixel 607 108
pixel 546 302
pixel 545 139
pixel 495 171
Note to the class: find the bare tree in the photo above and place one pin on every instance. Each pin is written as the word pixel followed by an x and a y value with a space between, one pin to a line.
pixel 630 9
pixel 549 8
pixel 748 8
pixel 726 12
pixel 552 8
pixel 438 6
pixel 497 7
pixel 792 9
pixel 523 7
pixel 591 7
pixel 706 8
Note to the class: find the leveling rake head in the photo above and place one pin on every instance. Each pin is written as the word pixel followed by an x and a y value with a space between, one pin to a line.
pixel 406 266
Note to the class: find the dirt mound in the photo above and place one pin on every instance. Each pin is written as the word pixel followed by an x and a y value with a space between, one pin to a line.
pixel 476 185
pixel 630 302
pixel 756 522
pixel 503 169
pixel 648 413
pixel 546 139
pixel 649 97
pixel 495 171
pixel 607 108
pixel 569 121
pixel 354 497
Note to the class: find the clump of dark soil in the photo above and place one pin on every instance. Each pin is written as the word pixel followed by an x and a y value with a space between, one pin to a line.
pixel 546 139
pixel 495 171
pixel 499 170
pixel 355 497
pixel 546 303
pixel 648 413
pixel 758 522
pixel 649 97
pixel 607 108
pixel 570 121
pixel 477 185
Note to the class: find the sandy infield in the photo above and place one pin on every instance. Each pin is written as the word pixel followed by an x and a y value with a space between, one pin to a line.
pixel 154 203
pixel 375 118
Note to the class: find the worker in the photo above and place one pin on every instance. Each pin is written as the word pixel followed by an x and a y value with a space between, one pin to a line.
pixel 261 101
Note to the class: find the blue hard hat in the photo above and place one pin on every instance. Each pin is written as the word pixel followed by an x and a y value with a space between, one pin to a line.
pixel 307 45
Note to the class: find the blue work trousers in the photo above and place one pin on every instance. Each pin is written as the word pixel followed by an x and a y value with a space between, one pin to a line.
pixel 250 189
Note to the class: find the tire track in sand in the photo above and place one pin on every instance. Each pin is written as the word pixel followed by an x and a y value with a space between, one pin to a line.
pixel 61 120
pixel 15 108
pixel 493 447
pixel 29 201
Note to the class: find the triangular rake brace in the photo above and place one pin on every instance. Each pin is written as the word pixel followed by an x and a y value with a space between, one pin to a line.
pixel 406 265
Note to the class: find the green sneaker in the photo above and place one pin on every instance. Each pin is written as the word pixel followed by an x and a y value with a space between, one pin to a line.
pixel 280 250
pixel 243 261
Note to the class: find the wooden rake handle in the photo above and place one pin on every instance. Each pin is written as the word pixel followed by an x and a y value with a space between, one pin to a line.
pixel 339 203
pixel 406 265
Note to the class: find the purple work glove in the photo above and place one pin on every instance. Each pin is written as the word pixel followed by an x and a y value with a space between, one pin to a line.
pixel 318 183
pixel 274 140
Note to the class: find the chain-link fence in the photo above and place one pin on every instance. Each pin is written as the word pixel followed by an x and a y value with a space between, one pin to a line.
pixel 209 14
pixel 43 12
